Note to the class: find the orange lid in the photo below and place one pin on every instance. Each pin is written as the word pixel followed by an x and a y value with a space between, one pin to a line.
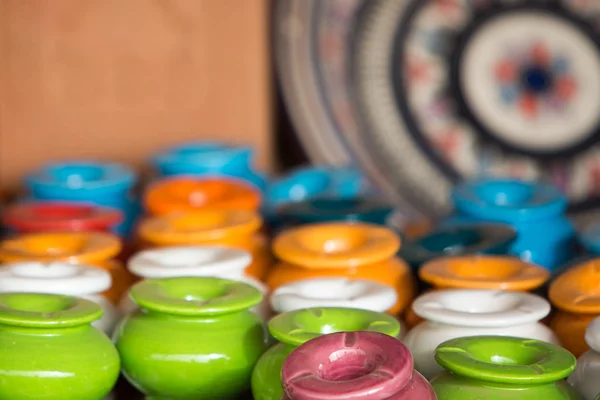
pixel 578 289
pixel 188 194
pixel 336 245
pixel 198 226
pixel 483 272
pixel 64 246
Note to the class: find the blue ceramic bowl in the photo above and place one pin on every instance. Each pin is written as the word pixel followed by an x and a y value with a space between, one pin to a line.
pixel 209 159
pixel 545 236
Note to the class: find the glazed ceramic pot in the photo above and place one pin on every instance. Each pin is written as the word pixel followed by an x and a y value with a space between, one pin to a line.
pixel 337 249
pixel 294 328
pixel 503 368
pixel 478 271
pixel 93 248
pixel 187 193
pixel 451 314
pixel 333 292
pixel 209 159
pixel 545 236
pixel 458 239
pixel 190 334
pixel 353 365
pixel 575 295
pixel 107 185
pixel 331 209
pixel 57 216
pixel 50 350
pixel 62 278
pixel 219 262
pixel 230 228
pixel 585 377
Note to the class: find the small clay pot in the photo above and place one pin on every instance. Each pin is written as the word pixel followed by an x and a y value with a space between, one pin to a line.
pixel 349 250
pixel 89 248
pixel 189 334
pixel 294 328
pixel 503 368
pixel 353 365
pixel 455 313
pixel 50 350
pixel 229 228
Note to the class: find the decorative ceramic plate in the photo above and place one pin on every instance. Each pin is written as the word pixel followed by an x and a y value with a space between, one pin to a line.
pixel 423 93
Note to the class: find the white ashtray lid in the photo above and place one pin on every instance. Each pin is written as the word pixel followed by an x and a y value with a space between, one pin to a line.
pixel 53 277
pixel 189 261
pixel 481 308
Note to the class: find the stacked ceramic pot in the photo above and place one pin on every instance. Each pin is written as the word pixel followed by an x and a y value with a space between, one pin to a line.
pixel 97 249
pixel 108 185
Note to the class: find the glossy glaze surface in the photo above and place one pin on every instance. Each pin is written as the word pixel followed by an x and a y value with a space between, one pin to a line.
pixel 89 248
pixel 499 368
pixel 184 194
pixel 190 333
pixel 62 278
pixel 50 350
pixel 575 295
pixel 585 378
pixel 350 250
pixel 545 235
pixel 294 328
pixel 230 228
pixel 451 314
pixel 353 365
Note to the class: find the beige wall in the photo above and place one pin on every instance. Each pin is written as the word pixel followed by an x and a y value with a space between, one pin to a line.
pixel 114 79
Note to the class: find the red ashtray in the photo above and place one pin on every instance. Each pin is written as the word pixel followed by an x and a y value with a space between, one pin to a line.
pixel 60 216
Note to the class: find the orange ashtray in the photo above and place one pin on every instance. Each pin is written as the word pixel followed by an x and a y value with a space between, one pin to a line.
pixel 578 289
pixel 351 250
pixel 233 228
pixel 75 247
pixel 93 248
pixel 189 194
pixel 576 295
pixel 479 272
pixel 483 272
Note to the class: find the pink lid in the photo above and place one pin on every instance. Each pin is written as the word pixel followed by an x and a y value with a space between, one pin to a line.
pixel 353 365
